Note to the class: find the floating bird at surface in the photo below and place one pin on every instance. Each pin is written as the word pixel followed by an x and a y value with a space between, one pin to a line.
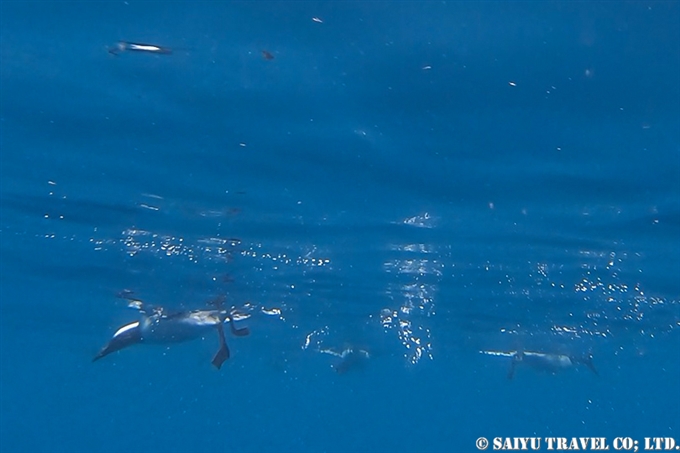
pixel 127 46
pixel 157 326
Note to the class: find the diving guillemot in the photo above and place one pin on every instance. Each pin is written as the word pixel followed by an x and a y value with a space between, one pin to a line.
pixel 542 361
pixel 349 358
pixel 159 327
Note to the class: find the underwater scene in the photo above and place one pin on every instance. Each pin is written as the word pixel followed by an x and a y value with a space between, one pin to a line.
pixel 372 226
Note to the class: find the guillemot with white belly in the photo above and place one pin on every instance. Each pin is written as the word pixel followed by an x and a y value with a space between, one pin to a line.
pixel 542 361
pixel 157 326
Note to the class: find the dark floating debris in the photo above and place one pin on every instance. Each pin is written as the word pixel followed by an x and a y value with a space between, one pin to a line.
pixel 267 55
pixel 127 46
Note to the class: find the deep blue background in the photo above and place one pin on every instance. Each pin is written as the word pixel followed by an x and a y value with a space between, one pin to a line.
pixel 420 180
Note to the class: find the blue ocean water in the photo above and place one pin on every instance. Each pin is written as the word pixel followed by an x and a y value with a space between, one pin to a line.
pixel 417 182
